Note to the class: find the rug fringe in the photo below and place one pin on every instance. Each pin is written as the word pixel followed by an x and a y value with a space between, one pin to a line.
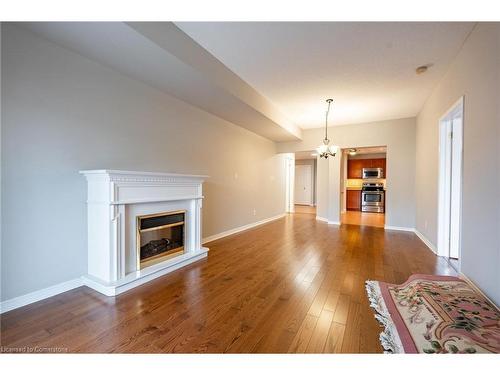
pixel 389 338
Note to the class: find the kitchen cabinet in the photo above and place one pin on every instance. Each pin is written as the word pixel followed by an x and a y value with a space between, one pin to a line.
pixel 379 163
pixel 353 201
pixel 355 166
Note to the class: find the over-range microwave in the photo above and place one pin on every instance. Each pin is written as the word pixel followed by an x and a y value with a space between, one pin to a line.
pixel 373 173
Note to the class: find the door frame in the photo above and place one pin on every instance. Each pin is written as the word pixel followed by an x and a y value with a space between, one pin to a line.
pixel 289 182
pixel 448 223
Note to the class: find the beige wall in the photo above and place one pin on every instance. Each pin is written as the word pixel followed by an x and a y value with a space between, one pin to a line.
pixel 474 74
pixel 63 113
pixel 397 135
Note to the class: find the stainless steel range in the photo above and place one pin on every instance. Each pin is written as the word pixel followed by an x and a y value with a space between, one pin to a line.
pixel 372 197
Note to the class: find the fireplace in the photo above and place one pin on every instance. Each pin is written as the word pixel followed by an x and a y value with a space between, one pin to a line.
pixel 130 211
pixel 159 237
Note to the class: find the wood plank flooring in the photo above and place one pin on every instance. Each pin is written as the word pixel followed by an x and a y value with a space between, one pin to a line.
pixel 303 209
pixel 293 285
pixel 363 218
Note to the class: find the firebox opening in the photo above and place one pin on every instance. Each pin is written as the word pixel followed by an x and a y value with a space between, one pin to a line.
pixel 159 237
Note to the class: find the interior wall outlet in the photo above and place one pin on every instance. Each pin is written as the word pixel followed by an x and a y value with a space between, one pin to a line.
pixel 254 212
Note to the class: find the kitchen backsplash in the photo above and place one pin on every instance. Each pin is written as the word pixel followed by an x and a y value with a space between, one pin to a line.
pixel 358 182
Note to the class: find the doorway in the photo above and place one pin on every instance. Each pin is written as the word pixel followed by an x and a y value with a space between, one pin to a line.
pixel 450 182
pixel 303 185
pixel 305 165
pixel 363 186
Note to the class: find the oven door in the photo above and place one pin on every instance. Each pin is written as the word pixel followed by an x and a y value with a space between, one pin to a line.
pixel 372 201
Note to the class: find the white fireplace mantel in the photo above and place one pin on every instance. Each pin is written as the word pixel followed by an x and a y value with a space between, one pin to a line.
pixel 114 199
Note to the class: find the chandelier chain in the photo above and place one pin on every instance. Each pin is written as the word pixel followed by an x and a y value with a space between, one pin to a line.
pixel 329 101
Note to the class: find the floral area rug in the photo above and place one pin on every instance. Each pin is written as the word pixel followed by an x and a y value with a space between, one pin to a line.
pixel 434 314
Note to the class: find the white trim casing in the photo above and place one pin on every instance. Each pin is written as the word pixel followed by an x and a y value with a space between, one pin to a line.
pixel 39 295
pixel 450 173
pixel 289 182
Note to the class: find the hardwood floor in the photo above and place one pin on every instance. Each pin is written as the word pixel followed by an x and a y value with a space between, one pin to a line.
pixel 363 218
pixel 303 209
pixel 293 285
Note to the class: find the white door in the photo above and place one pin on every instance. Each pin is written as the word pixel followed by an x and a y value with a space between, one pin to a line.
pixel 303 184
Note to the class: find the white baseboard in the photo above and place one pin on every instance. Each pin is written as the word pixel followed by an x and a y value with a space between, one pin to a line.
pixel 240 229
pixel 324 219
pixel 426 241
pixel 404 229
pixel 474 286
pixel 39 295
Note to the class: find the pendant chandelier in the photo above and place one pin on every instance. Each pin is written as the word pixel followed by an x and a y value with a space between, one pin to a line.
pixel 325 150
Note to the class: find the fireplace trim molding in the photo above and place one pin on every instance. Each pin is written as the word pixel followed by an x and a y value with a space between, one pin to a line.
pixel 109 195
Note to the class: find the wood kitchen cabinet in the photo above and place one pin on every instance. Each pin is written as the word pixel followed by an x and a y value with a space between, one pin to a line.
pixel 355 166
pixel 353 201
pixel 379 163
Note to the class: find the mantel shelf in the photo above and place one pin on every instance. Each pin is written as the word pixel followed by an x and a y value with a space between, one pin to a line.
pixel 135 201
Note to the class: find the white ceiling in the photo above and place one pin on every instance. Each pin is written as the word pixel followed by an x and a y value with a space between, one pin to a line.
pixel 367 68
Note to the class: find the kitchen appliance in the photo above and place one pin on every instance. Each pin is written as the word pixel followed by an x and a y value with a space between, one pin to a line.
pixel 373 172
pixel 373 197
